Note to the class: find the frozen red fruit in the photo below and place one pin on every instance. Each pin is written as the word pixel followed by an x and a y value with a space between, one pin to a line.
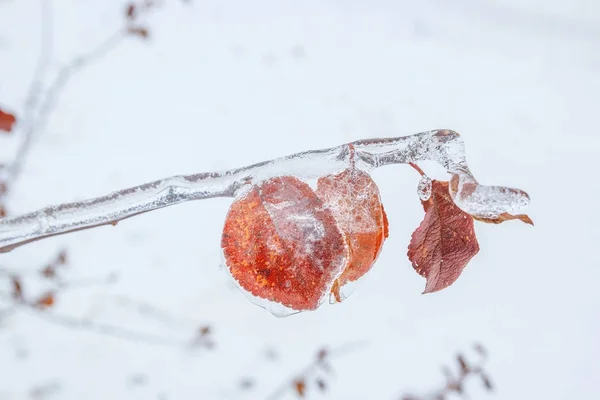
pixel 282 244
pixel 353 198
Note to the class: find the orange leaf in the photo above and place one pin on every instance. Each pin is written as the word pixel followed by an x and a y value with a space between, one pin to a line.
pixel 300 387
pixel 445 241
pixel 506 217
pixel 7 121
pixel 45 301
pixel 354 200
pixel 281 244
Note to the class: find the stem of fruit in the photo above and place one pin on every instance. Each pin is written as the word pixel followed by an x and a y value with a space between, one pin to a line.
pixel 415 166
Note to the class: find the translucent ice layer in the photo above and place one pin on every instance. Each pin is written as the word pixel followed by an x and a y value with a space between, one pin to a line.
pixel 424 188
pixel 443 146
pixel 289 247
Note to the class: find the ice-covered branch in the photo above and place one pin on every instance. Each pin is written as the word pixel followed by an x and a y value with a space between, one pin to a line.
pixel 443 146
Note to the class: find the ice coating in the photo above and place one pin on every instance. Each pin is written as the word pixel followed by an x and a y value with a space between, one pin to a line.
pixel 287 246
pixel 350 194
pixel 281 244
pixel 353 198
pixel 447 148
pixel 485 201
pixel 443 146
pixel 424 188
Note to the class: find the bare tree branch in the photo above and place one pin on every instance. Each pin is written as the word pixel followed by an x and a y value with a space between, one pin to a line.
pixel 39 304
pixel 36 119
pixel 46 46
pixel 443 146
pixel 151 311
pixel 103 329
pixel 39 103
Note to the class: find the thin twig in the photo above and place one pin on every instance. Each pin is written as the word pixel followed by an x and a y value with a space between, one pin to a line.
pixel 37 109
pixel 320 362
pixel 86 282
pixel 456 384
pixel 34 91
pixel 105 329
pixel 7 175
pixel 415 166
pixel 46 46
pixel 38 105
pixel 51 96
pixel 96 327
pixel 39 305
pixel 149 310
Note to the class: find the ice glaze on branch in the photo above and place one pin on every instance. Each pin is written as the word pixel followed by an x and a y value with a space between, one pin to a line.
pixel 443 146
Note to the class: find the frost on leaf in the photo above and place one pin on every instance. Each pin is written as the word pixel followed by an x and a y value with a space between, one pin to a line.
pixel 7 121
pixel 282 244
pixel 354 200
pixel 445 241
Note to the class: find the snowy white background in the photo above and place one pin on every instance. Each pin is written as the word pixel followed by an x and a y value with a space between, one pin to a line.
pixel 222 84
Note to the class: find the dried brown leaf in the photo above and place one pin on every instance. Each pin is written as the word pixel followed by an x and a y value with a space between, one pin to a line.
pixel 464 367
pixel 444 243
pixel 49 271
pixel 62 257
pixel 205 330
pixel 139 31
pixel 130 11
pixel 17 288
